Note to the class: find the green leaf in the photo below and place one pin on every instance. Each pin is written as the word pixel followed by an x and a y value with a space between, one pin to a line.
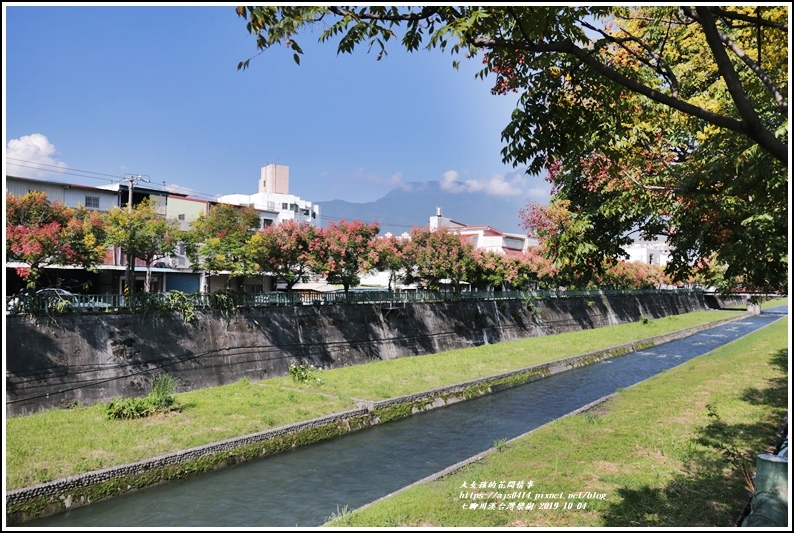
pixel 297 58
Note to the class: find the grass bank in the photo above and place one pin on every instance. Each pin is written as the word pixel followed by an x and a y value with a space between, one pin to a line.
pixel 672 451
pixel 59 443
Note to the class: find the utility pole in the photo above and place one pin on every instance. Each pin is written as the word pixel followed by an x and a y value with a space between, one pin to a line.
pixel 129 278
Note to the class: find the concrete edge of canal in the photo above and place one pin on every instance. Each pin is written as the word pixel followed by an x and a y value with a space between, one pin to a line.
pixel 474 458
pixel 46 499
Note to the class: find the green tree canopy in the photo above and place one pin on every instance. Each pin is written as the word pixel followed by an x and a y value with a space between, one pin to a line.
pixel 667 121
pixel 142 232
pixel 219 241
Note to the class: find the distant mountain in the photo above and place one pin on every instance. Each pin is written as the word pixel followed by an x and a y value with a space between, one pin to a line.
pixel 414 203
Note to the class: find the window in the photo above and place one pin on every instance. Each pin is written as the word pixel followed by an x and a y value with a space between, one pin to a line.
pixel 284 206
pixel 266 222
pixel 92 202
pixel 181 216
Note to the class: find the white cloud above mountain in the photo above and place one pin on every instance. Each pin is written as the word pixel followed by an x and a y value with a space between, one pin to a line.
pixel 497 185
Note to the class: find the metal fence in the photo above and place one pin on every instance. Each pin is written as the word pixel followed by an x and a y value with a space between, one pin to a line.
pixel 93 303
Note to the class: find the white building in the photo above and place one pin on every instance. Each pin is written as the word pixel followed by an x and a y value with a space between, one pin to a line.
pixel 649 252
pixel 273 200
pixel 485 237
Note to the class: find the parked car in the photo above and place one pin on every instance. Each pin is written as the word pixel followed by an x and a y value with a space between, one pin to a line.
pixel 62 297
pixel 15 304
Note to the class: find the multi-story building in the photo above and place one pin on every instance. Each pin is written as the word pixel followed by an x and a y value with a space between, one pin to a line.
pixel 274 202
pixel 173 271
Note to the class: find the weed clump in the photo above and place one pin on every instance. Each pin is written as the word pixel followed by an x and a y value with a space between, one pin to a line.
pixel 159 400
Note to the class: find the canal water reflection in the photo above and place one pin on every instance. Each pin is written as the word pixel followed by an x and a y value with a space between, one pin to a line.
pixel 303 487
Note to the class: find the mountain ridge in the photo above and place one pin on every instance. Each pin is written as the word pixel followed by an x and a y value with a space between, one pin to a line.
pixel 414 203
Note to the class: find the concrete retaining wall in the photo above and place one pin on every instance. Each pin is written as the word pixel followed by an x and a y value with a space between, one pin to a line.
pixel 59 361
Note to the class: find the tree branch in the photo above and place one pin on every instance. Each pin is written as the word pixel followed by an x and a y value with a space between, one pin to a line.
pixel 661 67
pixel 750 120
pixel 424 14
pixel 754 21
pixel 753 66
pixel 753 130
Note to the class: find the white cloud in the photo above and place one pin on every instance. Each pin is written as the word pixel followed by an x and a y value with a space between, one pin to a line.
pixel 539 192
pixel 497 185
pixel 33 156
pixel 394 181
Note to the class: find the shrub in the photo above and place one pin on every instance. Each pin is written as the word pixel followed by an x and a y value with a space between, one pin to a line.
pixel 159 400
pixel 303 373
pixel 180 302
pixel 226 301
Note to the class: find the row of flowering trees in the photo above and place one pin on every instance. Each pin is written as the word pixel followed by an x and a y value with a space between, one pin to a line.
pixel 229 239
pixel 40 233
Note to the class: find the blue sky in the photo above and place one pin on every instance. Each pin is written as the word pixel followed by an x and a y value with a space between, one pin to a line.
pixel 101 92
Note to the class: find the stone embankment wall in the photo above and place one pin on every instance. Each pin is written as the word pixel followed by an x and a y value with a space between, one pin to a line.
pixel 65 360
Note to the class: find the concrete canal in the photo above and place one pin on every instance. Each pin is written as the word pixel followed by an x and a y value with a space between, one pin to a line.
pixel 305 486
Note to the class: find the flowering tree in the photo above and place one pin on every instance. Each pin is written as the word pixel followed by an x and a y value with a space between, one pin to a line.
pixel 492 269
pixel 441 256
pixel 520 272
pixel 40 233
pixel 535 270
pixel 345 251
pixel 142 233
pixel 389 254
pixel 285 250
pixel 566 241
pixel 633 276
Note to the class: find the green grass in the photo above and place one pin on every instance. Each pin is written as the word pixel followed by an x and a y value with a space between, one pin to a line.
pixel 652 450
pixel 396 377
pixel 59 443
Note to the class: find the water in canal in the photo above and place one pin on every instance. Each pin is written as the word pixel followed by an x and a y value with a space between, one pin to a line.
pixel 303 487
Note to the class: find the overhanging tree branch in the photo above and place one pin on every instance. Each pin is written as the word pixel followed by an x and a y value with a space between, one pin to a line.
pixel 752 65
pixel 750 120
pixel 752 128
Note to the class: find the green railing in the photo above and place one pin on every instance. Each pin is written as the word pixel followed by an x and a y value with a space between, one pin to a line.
pixel 102 303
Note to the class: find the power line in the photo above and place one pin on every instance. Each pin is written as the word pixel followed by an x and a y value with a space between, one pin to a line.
pixel 192 193
pixel 61 171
